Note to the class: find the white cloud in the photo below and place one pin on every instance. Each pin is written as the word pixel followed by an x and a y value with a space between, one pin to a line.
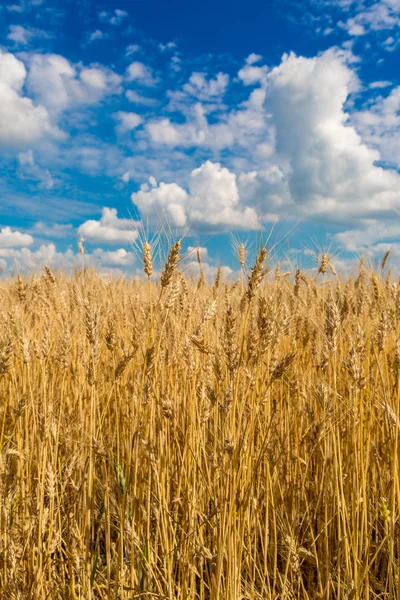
pixel 27 260
pixel 391 44
pixel 26 158
pixel 176 64
pixel 379 84
pixel 29 169
pixel 201 90
pixel 113 17
pixel 378 16
pixel 137 71
pixel 253 58
pixel 367 234
pixel 127 121
pixel 328 169
pixel 22 36
pixel 265 150
pixel 12 71
pixel 191 267
pixel 23 6
pixel 167 46
pixel 54 230
pixel 310 159
pixel 193 250
pixel 15 8
pixel 155 201
pixel 376 253
pixel 94 78
pixel 212 200
pixel 118 257
pixel 358 18
pixel 206 90
pixel 19 35
pixel 21 121
pixel 96 36
pixel 57 84
pixel 132 49
pixel 209 269
pixel 110 229
pixel 93 156
pixel 136 98
pixel 379 126
pixel 354 28
pixel 118 17
pixel 246 126
pixel 14 239
pixel 162 131
pixel 251 75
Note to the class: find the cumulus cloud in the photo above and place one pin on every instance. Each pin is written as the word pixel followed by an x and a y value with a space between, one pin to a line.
pixel 253 58
pixel 202 90
pixel 376 253
pixel 329 171
pixel 378 16
pixel 212 200
pixel 21 121
pixel 205 89
pixel 14 239
pixel 368 234
pixel 58 84
pixel 192 252
pixel 358 17
pixel 138 71
pixel 27 260
pixel 119 257
pixel 379 125
pixel 245 126
pixel 109 229
pixel 191 133
pixel 127 121
pixel 311 161
pixel 251 75
pixel 191 265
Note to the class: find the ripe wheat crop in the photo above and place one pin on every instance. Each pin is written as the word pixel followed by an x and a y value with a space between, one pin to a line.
pixel 221 441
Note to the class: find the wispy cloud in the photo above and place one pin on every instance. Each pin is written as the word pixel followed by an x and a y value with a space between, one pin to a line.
pixel 143 74
pixel 96 35
pixel 22 36
pixel 114 17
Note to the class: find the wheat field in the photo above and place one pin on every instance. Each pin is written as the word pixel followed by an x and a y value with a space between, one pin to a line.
pixel 173 438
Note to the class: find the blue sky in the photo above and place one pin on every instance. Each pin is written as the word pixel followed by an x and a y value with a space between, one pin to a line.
pixel 218 117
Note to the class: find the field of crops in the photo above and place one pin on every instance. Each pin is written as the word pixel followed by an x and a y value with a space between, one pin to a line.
pixel 180 439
